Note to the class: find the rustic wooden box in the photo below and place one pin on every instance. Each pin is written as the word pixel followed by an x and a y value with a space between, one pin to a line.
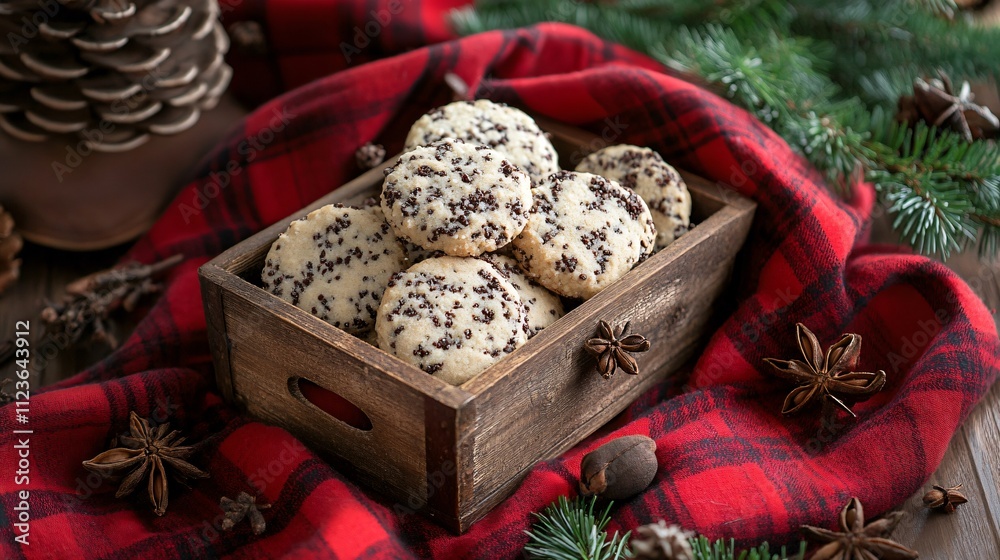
pixel 454 453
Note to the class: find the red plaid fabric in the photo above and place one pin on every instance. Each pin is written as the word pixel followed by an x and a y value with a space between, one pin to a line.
pixel 729 464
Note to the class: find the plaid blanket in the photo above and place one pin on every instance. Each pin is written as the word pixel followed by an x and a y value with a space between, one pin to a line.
pixel 729 464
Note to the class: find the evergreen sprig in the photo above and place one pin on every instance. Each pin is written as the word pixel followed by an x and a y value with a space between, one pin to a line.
pixel 826 77
pixel 706 550
pixel 570 530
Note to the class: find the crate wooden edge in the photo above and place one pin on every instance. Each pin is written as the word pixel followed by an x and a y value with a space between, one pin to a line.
pixel 451 408
pixel 222 282
pixel 728 216
pixel 218 276
pixel 735 226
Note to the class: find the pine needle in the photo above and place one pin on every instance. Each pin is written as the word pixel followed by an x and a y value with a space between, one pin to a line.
pixel 826 77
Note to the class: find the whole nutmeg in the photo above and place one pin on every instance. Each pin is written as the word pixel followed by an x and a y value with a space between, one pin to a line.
pixel 619 469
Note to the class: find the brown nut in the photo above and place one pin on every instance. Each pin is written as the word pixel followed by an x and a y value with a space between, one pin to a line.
pixel 619 469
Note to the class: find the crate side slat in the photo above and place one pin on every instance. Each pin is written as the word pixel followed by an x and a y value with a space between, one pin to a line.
pixel 542 408
pixel 213 281
pixel 268 350
pixel 535 404
pixel 543 399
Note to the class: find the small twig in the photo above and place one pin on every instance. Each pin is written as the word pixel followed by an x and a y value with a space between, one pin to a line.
pixel 89 301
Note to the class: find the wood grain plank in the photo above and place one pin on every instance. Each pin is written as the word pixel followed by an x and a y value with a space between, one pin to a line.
pixel 968 534
pixel 44 275
pixel 973 457
pixel 272 352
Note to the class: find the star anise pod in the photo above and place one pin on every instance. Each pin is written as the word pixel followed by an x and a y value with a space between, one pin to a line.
pixel 935 102
pixel 857 541
pixel 90 301
pixel 945 499
pixel 826 375
pixel 612 350
pixel 147 453
pixel 244 506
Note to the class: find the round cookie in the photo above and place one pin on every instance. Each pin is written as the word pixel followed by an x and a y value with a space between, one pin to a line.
pixel 415 253
pixel 462 199
pixel 584 233
pixel 451 317
pixel 335 263
pixel 656 181
pixel 505 129
pixel 542 306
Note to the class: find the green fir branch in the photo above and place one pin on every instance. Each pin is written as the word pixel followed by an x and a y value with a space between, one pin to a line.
pixel 570 530
pixel 826 77
pixel 720 550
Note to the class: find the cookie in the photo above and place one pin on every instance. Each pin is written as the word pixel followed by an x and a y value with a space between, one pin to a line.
pixel 542 306
pixel 656 181
pixel 335 263
pixel 495 125
pixel 461 199
pixel 584 233
pixel 415 253
pixel 451 317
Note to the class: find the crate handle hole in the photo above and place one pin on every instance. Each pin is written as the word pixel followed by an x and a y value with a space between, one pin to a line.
pixel 329 402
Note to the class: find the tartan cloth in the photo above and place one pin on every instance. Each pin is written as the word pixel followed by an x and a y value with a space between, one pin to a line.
pixel 729 464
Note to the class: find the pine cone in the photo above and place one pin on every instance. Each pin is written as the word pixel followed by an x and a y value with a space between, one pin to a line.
pixel 659 541
pixel 110 72
pixel 10 245
pixel 369 156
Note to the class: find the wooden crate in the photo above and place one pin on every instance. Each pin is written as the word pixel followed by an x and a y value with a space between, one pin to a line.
pixel 453 453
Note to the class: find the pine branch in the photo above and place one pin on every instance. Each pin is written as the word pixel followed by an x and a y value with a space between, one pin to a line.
pixel 719 550
pixel 571 531
pixel 825 77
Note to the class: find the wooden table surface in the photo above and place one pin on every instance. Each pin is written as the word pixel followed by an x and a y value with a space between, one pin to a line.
pixel 973 458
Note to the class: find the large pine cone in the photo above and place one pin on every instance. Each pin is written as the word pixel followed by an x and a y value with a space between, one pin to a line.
pixel 111 72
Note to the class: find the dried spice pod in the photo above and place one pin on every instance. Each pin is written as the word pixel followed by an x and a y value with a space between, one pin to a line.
pixel 826 376
pixel 945 499
pixel 614 347
pixel 243 507
pixel 858 539
pixel 619 469
pixel 147 453
pixel 936 102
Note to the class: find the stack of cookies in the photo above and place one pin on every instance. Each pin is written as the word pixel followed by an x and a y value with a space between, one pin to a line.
pixel 477 239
